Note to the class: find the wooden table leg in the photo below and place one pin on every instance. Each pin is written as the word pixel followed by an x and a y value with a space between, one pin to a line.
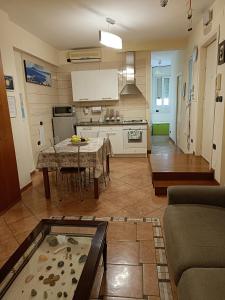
pixel 107 165
pixel 96 188
pixel 46 183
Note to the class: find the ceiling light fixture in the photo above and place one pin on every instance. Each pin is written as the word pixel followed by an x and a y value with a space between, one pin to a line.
pixel 109 39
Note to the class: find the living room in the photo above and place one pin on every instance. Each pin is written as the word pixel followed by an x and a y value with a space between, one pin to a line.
pixel 112 179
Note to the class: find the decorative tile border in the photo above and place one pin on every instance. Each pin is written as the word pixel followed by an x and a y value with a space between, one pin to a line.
pixel 161 260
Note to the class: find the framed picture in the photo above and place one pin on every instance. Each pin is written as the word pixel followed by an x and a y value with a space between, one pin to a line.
pixel 37 74
pixel 221 53
pixel 9 83
pixel 12 106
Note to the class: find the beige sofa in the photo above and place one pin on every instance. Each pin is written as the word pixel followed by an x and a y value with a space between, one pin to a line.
pixel 194 224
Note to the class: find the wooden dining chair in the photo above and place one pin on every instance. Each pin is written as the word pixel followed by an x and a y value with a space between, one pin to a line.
pixel 72 175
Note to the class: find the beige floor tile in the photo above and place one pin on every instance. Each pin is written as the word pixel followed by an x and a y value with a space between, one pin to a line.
pixel 121 232
pixel 17 212
pixel 147 252
pixel 150 281
pixel 23 225
pixel 144 232
pixel 123 281
pixel 123 253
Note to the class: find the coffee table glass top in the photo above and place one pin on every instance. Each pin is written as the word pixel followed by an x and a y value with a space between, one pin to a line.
pixel 51 266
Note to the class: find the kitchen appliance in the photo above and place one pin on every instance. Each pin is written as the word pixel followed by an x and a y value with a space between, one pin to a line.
pixel 129 70
pixel 63 111
pixel 134 121
pixel 63 122
pixel 135 139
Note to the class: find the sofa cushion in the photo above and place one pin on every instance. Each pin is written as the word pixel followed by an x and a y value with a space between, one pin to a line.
pixel 202 284
pixel 195 237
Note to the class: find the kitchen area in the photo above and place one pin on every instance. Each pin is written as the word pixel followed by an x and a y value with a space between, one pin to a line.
pixel 102 106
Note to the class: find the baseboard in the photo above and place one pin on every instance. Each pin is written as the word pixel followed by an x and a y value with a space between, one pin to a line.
pixel 26 187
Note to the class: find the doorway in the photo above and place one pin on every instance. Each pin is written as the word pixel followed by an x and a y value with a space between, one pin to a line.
pixel 165 67
pixel 209 101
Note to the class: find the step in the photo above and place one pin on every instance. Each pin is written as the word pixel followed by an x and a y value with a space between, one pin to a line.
pixel 209 175
pixel 161 186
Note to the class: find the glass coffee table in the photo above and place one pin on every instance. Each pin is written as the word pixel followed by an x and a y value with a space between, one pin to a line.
pixel 59 259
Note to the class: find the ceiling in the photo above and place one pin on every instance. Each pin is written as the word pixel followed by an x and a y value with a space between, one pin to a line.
pixel 67 24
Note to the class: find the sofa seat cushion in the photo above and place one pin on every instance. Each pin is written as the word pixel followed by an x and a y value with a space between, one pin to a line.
pixel 195 237
pixel 202 284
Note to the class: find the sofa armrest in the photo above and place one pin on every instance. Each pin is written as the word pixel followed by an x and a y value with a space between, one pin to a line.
pixel 208 195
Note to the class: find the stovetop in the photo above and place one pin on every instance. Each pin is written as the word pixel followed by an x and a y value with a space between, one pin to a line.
pixel 134 121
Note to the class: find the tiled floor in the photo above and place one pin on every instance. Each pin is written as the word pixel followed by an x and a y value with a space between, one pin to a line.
pixel 129 193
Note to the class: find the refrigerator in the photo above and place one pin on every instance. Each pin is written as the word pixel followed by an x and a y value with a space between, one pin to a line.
pixel 63 128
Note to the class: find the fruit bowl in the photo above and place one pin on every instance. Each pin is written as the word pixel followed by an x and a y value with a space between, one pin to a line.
pixel 78 140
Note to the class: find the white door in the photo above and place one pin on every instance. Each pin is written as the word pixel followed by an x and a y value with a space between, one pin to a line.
pixel 209 101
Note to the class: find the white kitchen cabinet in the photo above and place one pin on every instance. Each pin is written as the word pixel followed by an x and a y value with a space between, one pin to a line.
pixel 115 134
pixel 88 131
pixel 95 85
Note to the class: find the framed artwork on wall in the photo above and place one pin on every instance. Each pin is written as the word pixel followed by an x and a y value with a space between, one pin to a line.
pixel 221 53
pixel 9 83
pixel 37 74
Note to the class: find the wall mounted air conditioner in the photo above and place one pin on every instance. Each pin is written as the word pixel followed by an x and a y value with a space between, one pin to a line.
pixel 85 55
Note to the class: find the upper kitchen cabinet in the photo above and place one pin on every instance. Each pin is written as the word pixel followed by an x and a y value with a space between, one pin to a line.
pixel 95 85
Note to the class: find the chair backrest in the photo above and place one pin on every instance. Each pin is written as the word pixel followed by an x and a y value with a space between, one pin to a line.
pixel 106 143
pixel 69 159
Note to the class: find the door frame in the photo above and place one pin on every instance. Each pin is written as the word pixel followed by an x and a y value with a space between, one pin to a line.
pixel 201 89
pixel 179 79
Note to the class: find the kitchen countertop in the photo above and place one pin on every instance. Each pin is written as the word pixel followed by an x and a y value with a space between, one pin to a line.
pixel 110 123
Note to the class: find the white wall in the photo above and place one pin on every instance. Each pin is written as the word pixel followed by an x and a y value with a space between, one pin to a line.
pixel 12 36
pixel 176 69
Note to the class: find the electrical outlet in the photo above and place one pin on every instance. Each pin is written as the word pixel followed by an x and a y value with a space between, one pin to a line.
pixel 219 99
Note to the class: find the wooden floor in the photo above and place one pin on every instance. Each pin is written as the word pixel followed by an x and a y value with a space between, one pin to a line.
pixel 170 166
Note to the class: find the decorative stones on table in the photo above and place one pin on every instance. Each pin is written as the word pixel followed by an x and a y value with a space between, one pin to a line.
pixel 60 264
pixel 41 277
pixel 29 278
pixel 42 258
pixel 33 293
pixel 82 259
pixel 45 295
pixel 72 271
pixel 52 241
pixel 51 279
pixel 74 280
pixel 48 268
pixel 72 241
pixel 59 294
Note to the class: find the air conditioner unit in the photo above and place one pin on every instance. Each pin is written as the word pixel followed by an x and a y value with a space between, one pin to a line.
pixel 85 55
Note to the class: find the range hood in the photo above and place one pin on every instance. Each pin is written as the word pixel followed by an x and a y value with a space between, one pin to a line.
pixel 129 72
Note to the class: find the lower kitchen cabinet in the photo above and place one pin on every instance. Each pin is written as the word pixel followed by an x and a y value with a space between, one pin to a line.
pixel 114 133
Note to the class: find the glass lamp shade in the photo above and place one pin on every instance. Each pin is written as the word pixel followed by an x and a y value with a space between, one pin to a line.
pixel 110 40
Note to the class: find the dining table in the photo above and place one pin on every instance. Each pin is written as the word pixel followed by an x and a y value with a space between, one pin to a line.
pixel 92 154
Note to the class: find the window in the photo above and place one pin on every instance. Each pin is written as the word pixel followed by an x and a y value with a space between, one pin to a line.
pixel 163 91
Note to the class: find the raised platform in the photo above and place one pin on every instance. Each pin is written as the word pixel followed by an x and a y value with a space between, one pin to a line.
pixel 171 167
